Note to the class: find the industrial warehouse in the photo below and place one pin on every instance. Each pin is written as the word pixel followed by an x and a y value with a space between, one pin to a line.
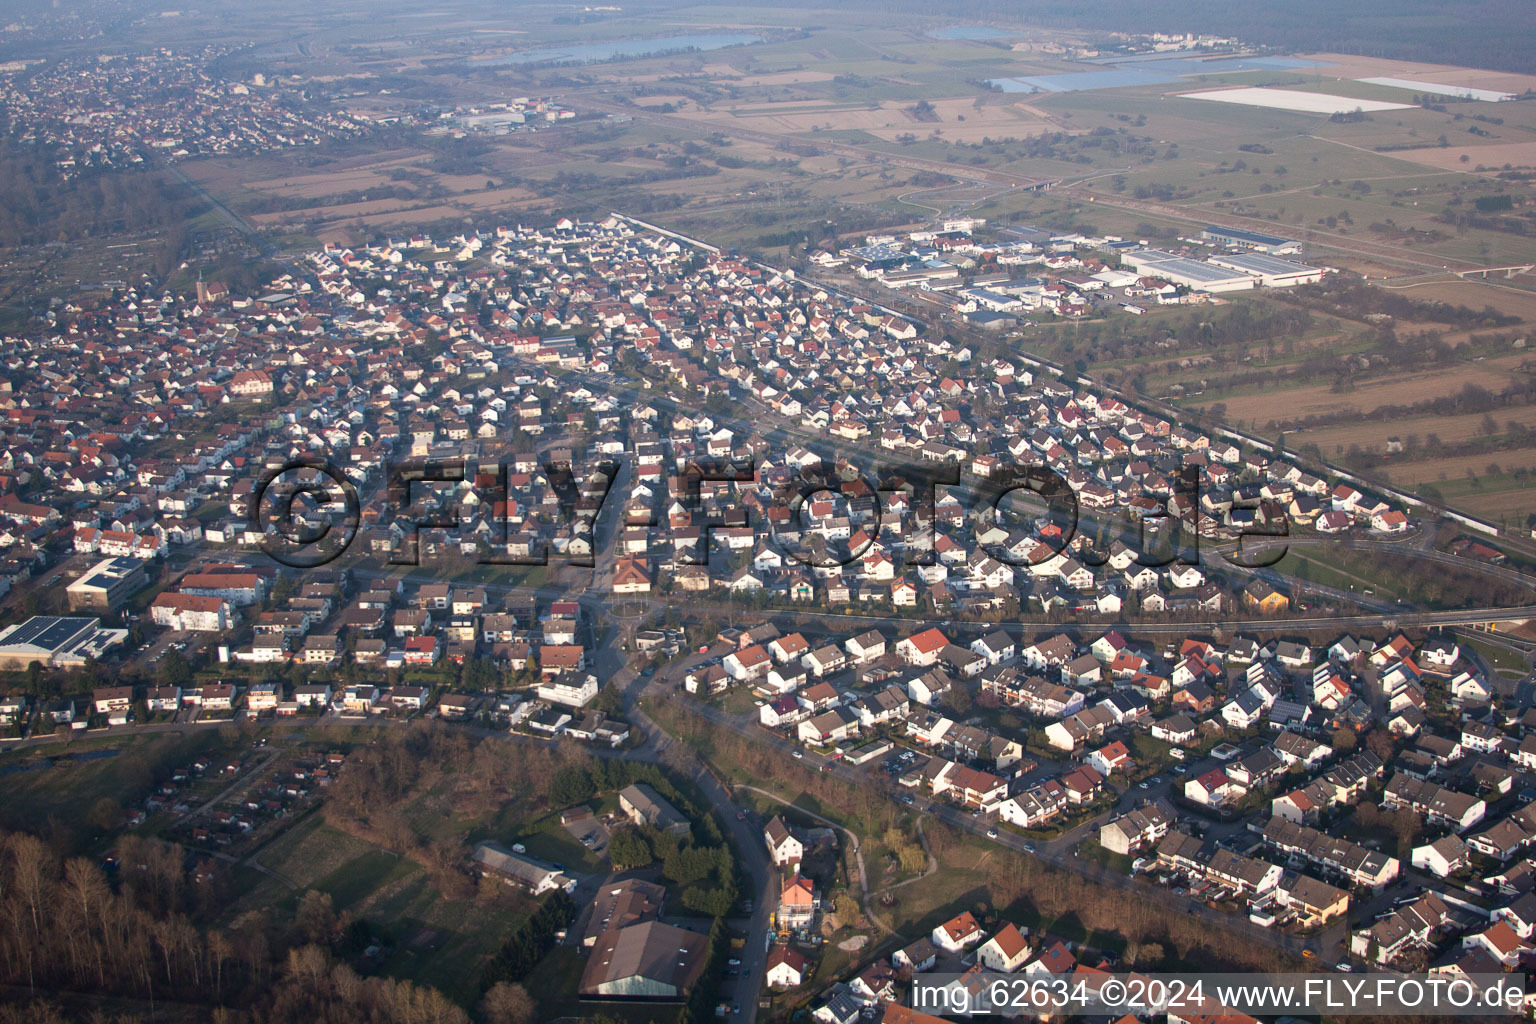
pixel 1229 272
pixel 1270 271
pixel 56 640
pixel 1237 238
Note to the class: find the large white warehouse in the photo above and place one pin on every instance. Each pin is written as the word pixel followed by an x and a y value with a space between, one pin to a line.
pixel 1271 272
pixel 1198 276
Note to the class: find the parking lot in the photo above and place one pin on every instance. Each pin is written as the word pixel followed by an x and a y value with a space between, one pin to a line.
pixel 590 832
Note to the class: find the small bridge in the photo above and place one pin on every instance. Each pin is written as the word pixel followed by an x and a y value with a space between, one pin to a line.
pixel 1511 271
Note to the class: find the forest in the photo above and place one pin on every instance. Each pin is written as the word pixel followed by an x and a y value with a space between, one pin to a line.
pixel 148 926
pixel 139 934
pixel 39 205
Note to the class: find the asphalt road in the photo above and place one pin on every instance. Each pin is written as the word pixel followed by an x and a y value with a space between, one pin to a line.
pixel 1057 852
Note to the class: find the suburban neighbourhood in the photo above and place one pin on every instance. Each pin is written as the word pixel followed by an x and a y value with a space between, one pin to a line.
pixel 678 513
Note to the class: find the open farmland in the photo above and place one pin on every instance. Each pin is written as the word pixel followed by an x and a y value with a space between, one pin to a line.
pixel 1464 431
pixel 1372 435
pixel 1491 158
pixel 1263 406
pixel 1353 66
pixel 1431 471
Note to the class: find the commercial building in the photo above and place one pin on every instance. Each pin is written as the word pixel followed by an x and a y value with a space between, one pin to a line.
pixel 630 902
pixel 56 640
pixel 107 584
pixel 652 960
pixel 1193 274
pixel 1271 272
pixel 1272 244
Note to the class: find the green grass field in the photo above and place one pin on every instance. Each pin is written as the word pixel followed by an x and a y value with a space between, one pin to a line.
pixel 63 782
pixel 433 941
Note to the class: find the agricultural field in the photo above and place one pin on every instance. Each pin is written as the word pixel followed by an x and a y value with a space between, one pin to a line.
pixel 726 141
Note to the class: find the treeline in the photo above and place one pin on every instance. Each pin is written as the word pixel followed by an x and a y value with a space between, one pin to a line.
pixel 1236 326
pixel 1477 34
pixel 474 777
pixel 702 998
pixel 524 948
pixel 1061 146
pixel 1352 298
pixel 1390 356
pixel 1472 398
pixel 38 205
pixel 702 861
pixel 270 203
pixel 736 163
pixel 142 935
pixel 1462 219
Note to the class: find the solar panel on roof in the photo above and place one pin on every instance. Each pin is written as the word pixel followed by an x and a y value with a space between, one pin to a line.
pixel 49 632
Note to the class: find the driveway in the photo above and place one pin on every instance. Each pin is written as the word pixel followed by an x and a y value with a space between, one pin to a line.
pixel 581 829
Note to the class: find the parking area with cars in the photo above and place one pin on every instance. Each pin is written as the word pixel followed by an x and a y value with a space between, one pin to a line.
pixel 590 831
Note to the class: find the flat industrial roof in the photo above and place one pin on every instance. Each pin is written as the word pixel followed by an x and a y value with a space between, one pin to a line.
pixel 1248 236
pixel 990 296
pixel 47 632
pixel 1258 263
pixel 1194 270
pixel 108 571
